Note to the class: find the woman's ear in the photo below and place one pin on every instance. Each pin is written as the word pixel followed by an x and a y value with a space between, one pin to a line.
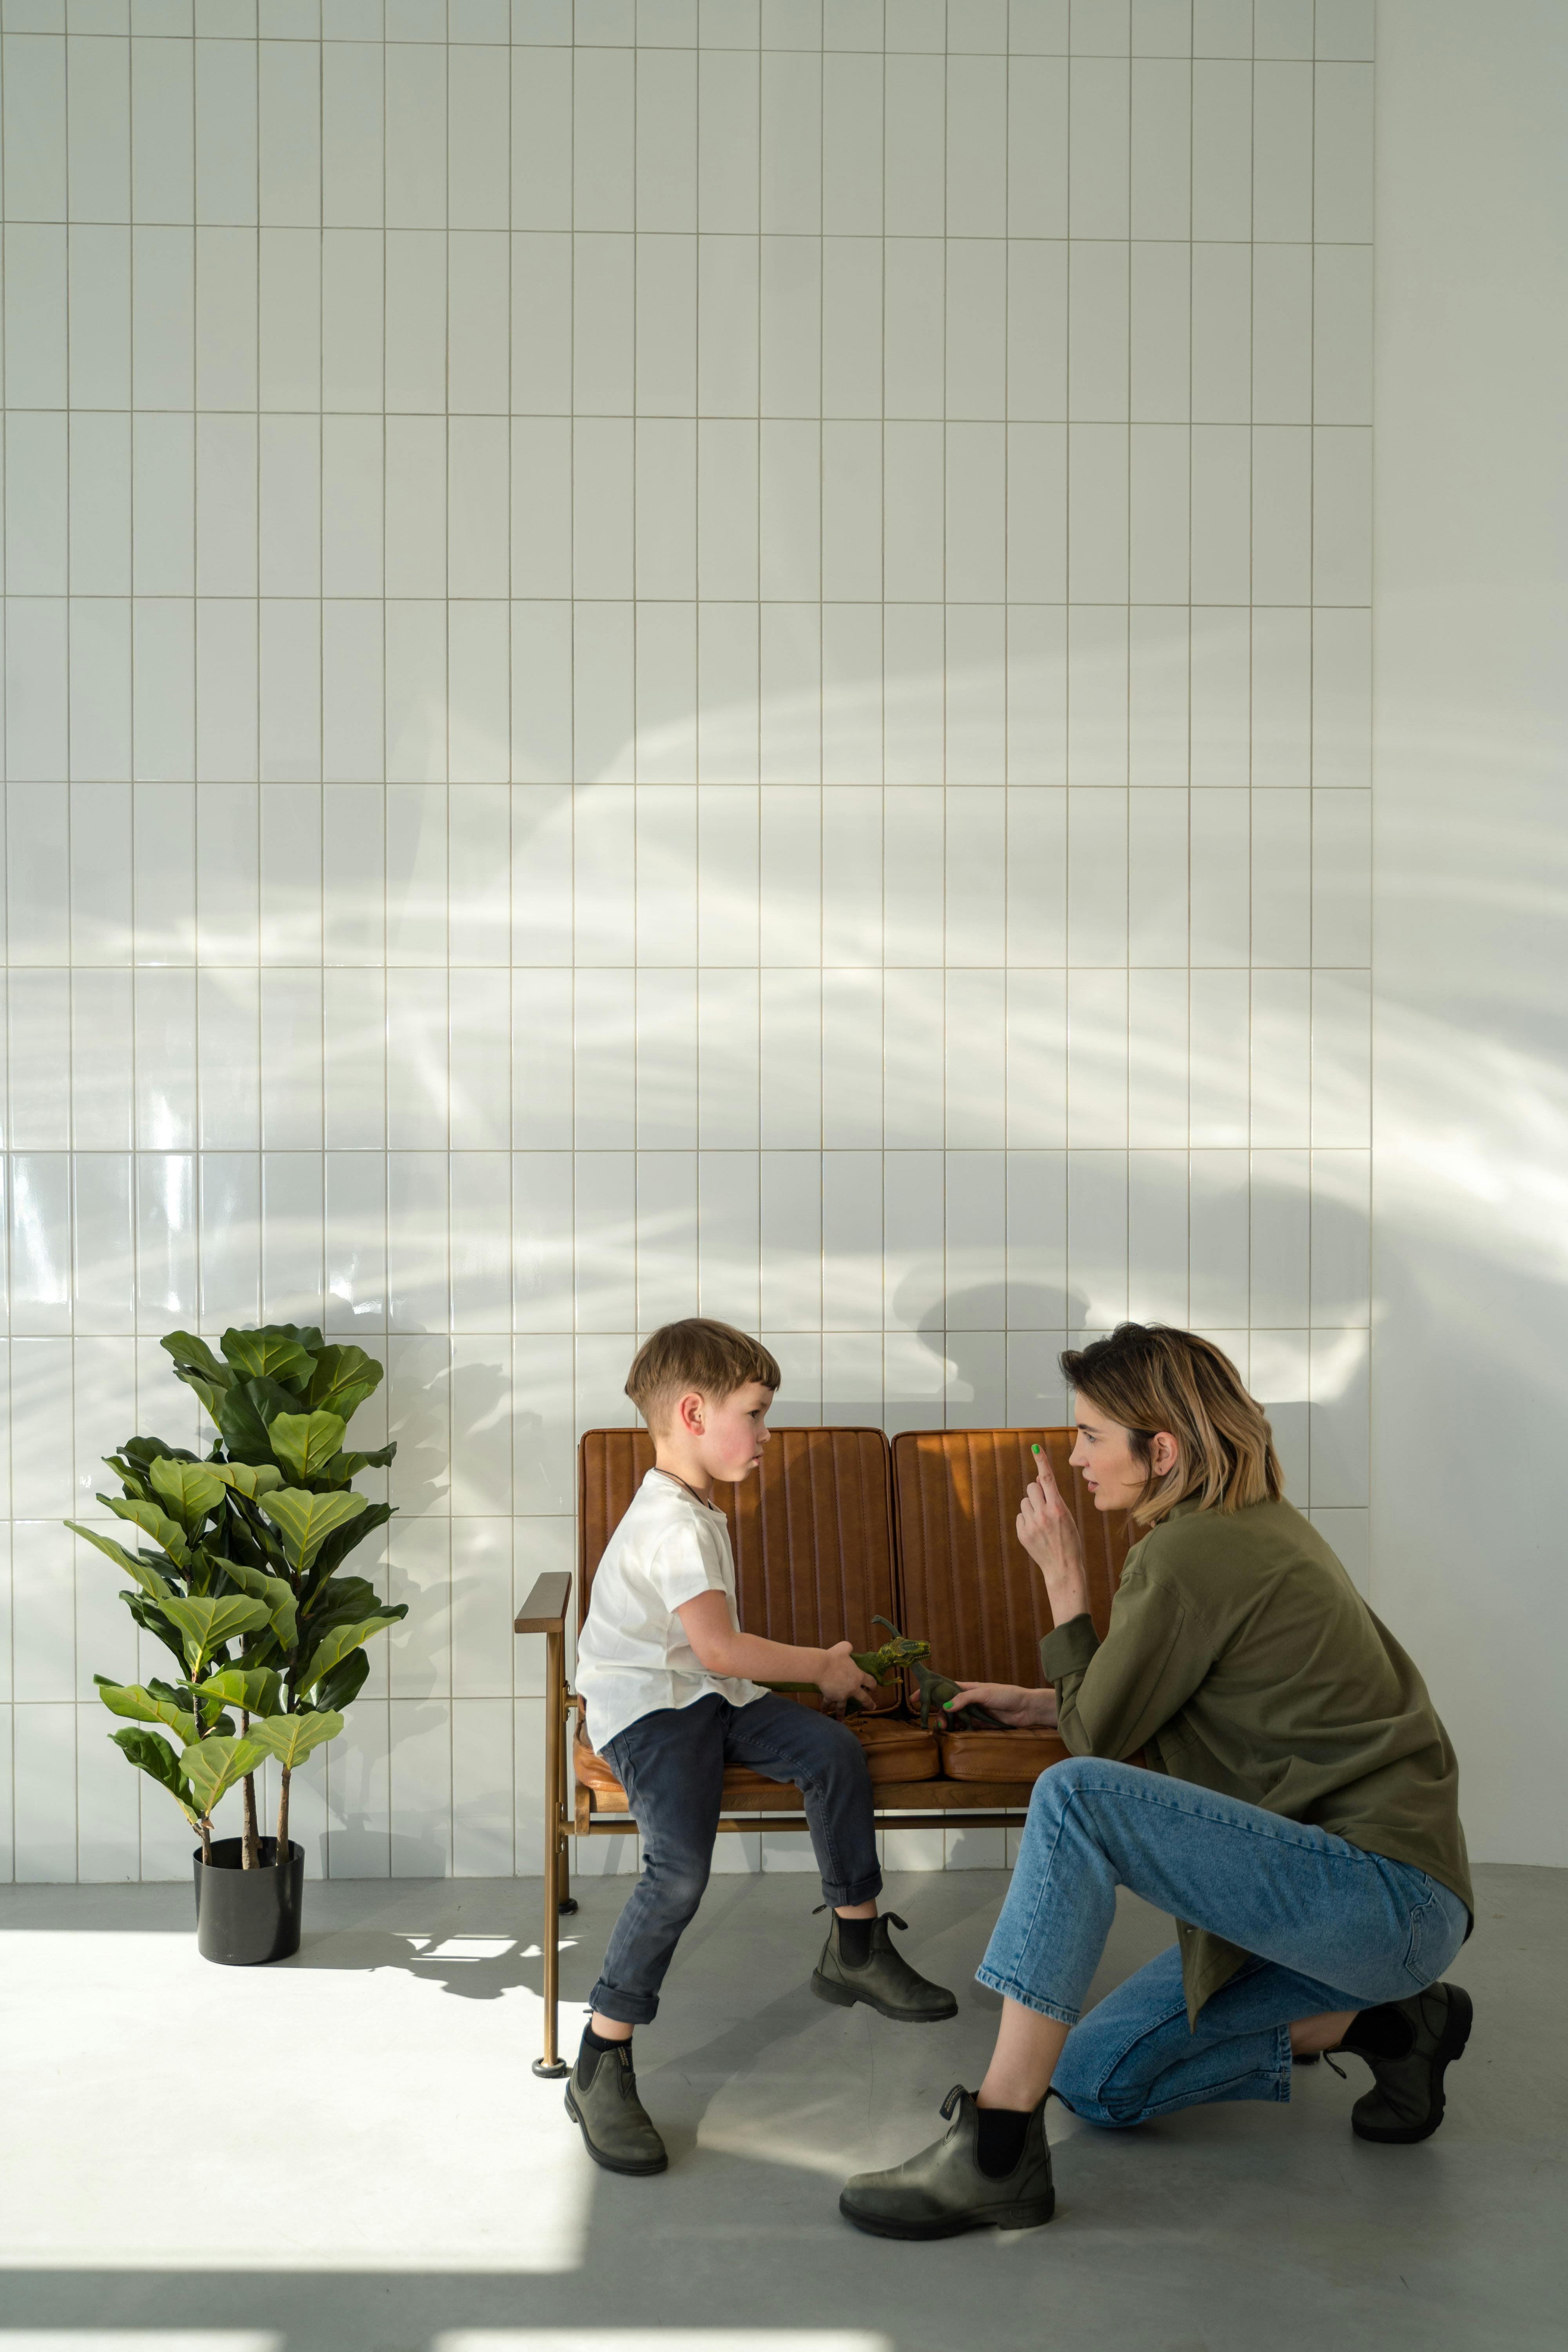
pixel 1164 1453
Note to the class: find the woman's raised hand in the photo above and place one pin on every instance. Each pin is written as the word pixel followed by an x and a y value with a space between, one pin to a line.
pixel 1048 1533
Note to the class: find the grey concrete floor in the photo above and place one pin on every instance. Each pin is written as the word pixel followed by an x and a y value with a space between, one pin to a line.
pixel 374 2168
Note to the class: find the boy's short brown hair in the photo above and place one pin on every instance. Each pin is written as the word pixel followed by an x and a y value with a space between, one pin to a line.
pixel 713 1358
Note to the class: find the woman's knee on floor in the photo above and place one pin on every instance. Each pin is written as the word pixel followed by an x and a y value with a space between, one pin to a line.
pixel 1094 2078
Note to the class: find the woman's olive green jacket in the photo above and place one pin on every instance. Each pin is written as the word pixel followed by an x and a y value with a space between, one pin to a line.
pixel 1240 1656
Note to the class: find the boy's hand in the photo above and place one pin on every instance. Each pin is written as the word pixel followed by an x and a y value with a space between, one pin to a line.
pixel 1032 1710
pixel 841 1679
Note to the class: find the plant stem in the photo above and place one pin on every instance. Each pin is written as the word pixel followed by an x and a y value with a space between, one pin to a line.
pixel 205 1828
pixel 282 1855
pixel 250 1849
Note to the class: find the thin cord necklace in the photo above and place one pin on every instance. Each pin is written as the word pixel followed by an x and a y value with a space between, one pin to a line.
pixel 706 1500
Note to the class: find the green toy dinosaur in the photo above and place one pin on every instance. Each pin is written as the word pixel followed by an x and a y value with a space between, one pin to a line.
pixel 906 1656
pixel 934 1689
pixel 880 1664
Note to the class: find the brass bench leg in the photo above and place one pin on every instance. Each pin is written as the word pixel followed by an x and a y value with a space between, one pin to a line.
pixel 557 1897
pixel 565 1901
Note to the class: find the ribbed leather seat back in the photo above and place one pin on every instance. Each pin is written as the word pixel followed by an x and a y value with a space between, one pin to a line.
pixel 967 1585
pixel 813 1531
pixel 610 1466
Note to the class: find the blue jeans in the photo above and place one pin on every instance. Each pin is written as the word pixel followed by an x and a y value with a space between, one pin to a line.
pixel 671 1764
pixel 1330 1927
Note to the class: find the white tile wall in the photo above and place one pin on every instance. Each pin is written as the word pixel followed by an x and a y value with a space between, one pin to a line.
pixel 711 656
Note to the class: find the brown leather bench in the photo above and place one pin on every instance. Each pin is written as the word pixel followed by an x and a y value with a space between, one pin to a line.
pixel 838 1527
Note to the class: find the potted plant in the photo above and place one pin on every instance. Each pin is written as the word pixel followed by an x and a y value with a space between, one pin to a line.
pixel 240 1579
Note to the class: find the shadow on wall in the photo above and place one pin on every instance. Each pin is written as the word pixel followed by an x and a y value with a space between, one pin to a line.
pixel 1283 1287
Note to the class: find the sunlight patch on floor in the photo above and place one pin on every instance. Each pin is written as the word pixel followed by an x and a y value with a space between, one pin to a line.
pixel 306 2076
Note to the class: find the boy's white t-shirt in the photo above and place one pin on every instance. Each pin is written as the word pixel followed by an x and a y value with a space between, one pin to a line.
pixel 633 1655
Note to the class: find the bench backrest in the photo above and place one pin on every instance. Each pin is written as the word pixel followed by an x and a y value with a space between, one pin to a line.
pixel 811 1532
pixel 834 1531
pixel 968 1587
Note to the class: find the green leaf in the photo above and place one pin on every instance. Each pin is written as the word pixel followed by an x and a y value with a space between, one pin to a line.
pixel 276 1595
pixel 215 1764
pixel 336 1645
pixel 144 1451
pixel 207 1626
pixel 177 1694
pixel 165 1532
pixel 343 1683
pixel 157 1588
pixel 267 1354
pixel 306 1442
pixel 304 1335
pixel 344 1467
pixel 144 1705
pixel 209 1398
pixel 193 1355
pixel 339 1599
pixel 251 1479
pixel 189 1489
pixel 148 1615
pixel 290 1737
pixel 337 1548
pixel 155 1757
pixel 305 1521
pixel 246 1414
pixel 342 1379
pixel 130 1478
pixel 254 1689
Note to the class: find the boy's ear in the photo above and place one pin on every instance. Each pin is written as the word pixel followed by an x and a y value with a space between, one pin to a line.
pixel 690 1412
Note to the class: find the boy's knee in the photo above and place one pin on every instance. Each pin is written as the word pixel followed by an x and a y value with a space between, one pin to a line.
pixel 837 1756
pixel 680 1885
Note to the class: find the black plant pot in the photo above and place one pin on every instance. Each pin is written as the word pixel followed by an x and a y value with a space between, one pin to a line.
pixel 245 1917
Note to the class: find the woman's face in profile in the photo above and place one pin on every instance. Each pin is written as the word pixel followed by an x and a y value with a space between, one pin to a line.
pixel 1112 1470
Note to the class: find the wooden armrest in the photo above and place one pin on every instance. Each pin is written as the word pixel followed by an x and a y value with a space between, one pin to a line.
pixel 544 1610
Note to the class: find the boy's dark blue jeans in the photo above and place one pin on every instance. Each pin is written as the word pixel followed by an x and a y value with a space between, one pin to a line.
pixel 671 1764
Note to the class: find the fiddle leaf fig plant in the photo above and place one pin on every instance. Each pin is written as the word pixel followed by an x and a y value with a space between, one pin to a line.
pixel 238 1572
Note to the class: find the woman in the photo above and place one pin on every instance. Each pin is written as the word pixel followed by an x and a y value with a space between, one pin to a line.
pixel 1298 1812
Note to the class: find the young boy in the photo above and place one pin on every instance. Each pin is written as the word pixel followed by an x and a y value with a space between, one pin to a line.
pixel 666 1674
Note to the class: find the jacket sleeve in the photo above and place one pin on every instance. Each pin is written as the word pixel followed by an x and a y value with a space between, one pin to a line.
pixel 1113 1696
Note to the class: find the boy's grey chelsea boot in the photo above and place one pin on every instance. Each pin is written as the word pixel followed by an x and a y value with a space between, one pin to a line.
pixel 942 2191
pixel 884 1982
pixel 602 2100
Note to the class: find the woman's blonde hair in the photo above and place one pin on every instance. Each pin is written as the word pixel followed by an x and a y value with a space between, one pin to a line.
pixel 1151 1378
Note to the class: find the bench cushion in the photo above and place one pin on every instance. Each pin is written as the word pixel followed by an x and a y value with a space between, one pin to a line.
pixel 999 1755
pixel 894 1751
pixel 897 1751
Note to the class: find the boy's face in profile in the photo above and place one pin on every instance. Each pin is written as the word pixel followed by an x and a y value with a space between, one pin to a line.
pixel 725 1434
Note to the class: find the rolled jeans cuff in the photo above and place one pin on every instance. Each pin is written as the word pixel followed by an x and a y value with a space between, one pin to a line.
pixel 1012 1990
pixel 625 2008
pixel 852 1890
